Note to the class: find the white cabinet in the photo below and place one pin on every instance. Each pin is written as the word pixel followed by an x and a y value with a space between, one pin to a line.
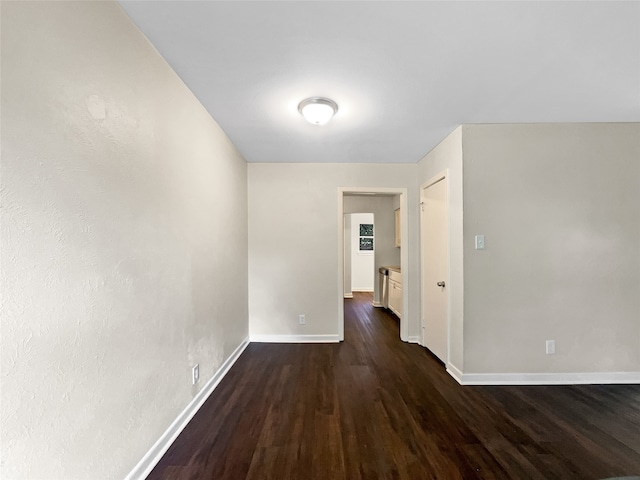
pixel 395 298
pixel 395 293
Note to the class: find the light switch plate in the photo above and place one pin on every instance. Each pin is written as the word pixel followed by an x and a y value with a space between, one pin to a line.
pixel 550 347
pixel 479 242
pixel 195 373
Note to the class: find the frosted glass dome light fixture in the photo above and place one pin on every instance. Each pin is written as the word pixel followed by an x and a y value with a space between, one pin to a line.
pixel 318 110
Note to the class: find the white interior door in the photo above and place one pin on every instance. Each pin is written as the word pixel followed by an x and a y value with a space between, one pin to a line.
pixel 362 259
pixel 435 265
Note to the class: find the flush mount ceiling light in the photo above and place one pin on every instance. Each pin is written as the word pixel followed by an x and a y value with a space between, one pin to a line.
pixel 318 110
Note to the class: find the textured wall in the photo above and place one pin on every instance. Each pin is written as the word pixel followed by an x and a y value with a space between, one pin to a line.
pixel 124 242
pixel 448 156
pixel 559 205
pixel 293 242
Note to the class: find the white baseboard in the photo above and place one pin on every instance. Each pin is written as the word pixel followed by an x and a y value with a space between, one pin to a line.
pixel 348 295
pixel 455 373
pixel 362 290
pixel 155 453
pixel 594 378
pixel 413 339
pixel 377 304
pixel 295 338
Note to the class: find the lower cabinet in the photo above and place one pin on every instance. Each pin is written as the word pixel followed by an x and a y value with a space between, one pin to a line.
pixel 395 297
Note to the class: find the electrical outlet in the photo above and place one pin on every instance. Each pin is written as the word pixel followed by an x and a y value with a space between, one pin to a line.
pixel 195 373
pixel 551 347
pixel 302 319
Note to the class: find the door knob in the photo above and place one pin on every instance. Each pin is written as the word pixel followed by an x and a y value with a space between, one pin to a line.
pixel 440 284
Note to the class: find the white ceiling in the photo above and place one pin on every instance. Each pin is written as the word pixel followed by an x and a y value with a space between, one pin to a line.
pixel 404 74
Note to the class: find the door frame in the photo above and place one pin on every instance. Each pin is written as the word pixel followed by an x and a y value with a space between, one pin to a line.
pixel 404 254
pixel 442 176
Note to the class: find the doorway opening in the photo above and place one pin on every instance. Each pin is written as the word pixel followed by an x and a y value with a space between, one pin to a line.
pixel 388 243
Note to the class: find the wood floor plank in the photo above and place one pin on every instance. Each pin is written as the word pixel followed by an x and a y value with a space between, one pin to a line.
pixel 373 407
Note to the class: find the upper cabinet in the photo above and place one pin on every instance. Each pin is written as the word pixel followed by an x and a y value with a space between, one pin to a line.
pixel 398 229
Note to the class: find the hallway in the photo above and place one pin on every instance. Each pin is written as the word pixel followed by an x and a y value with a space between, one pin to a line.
pixel 373 407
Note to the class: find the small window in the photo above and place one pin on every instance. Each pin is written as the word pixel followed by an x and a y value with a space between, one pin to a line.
pixel 366 243
pixel 366 237
pixel 366 229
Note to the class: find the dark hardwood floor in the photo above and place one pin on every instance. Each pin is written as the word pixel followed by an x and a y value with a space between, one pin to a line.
pixel 374 407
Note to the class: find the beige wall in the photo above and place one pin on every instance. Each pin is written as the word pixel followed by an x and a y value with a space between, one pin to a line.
pixel 293 242
pixel 447 157
pixel 124 242
pixel 559 205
